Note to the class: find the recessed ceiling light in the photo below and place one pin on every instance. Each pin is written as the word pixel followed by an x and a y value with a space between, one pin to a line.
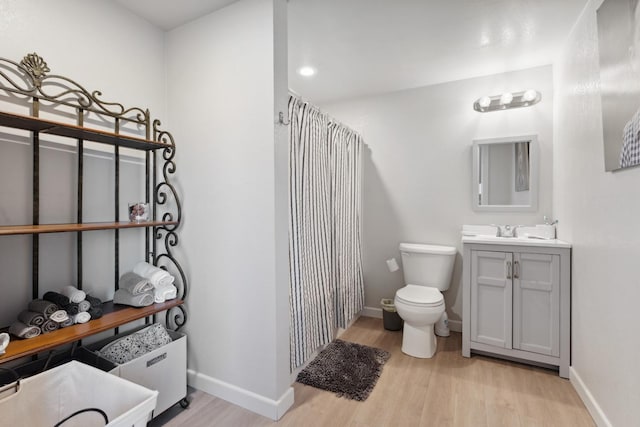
pixel 306 71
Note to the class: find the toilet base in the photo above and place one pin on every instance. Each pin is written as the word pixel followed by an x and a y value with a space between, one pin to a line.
pixel 419 341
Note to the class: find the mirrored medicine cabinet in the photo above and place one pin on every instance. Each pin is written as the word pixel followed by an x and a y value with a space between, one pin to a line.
pixel 505 174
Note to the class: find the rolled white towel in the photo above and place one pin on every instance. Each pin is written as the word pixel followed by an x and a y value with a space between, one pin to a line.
pixel 59 316
pixel 171 293
pixel 157 276
pixel 165 293
pixel 82 317
pixel 4 342
pixel 74 294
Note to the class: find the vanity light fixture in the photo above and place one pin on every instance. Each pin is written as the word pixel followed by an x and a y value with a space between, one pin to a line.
pixel 484 102
pixel 507 100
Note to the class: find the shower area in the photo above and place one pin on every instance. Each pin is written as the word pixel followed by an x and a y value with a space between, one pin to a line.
pixel 325 191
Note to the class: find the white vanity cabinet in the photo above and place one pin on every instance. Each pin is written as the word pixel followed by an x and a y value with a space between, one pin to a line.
pixel 516 300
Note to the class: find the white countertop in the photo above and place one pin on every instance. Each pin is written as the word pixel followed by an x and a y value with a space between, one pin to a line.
pixel 515 241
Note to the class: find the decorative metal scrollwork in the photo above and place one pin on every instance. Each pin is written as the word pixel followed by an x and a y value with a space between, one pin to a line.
pixel 166 197
pixel 36 67
pixel 30 77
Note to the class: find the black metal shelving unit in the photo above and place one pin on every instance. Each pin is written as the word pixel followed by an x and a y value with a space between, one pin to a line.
pixel 30 83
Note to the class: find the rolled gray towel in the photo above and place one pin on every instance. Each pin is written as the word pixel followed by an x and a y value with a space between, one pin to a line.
pixel 43 307
pixel 66 323
pixel 56 298
pixel 21 330
pixel 95 302
pixel 134 283
pixel 74 294
pixel 49 326
pixel 95 312
pixel 122 296
pixel 84 305
pixel 31 318
pixel 59 316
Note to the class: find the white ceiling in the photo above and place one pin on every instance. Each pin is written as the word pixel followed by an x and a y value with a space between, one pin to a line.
pixel 168 14
pixel 370 46
pixel 361 47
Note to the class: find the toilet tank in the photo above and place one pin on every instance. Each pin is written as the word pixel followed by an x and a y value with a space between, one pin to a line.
pixel 427 265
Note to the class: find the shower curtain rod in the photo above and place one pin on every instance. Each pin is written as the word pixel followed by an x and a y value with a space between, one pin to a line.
pixel 281 115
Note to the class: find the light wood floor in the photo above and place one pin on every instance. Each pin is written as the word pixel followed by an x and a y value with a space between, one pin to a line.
pixel 447 390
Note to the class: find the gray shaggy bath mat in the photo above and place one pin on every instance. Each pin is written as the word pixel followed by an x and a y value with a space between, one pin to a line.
pixel 348 369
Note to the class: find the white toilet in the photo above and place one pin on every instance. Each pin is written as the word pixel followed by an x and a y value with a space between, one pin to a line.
pixel 427 271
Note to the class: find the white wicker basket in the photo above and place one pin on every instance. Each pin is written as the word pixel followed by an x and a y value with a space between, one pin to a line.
pixel 49 397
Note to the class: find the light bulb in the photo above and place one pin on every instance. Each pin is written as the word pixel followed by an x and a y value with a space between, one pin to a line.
pixel 306 71
pixel 506 98
pixel 484 102
pixel 529 95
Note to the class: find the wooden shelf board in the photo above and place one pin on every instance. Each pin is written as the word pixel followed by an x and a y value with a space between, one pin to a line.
pixel 68 130
pixel 8 230
pixel 114 316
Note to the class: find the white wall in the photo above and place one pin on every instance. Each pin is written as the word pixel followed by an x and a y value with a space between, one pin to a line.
pixel 598 213
pixel 226 73
pixel 97 43
pixel 102 47
pixel 417 170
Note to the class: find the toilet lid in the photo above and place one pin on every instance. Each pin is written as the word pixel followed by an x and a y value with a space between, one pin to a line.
pixel 422 295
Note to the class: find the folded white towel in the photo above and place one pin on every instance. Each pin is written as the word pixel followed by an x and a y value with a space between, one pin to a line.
pixel 123 296
pixel 165 293
pixel 4 342
pixel 82 317
pixel 59 316
pixel 134 283
pixel 157 276
pixel 74 294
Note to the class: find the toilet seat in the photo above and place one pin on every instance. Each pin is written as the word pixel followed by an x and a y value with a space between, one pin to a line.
pixel 421 296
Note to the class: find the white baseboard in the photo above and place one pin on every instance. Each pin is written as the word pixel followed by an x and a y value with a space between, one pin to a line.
pixel 254 402
pixel 372 312
pixel 594 409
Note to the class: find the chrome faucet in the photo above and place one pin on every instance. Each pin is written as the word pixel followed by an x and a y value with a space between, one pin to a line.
pixel 507 230
pixel 546 221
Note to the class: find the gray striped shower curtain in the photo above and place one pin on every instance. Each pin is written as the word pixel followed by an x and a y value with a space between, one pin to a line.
pixel 326 285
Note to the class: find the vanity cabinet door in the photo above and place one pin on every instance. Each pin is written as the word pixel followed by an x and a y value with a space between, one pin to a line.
pixel 536 303
pixel 491 298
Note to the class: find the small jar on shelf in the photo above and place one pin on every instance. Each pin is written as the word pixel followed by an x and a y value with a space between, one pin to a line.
pixel 138 212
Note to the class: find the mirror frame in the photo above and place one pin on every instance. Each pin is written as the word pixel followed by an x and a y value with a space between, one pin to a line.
pixel 533 174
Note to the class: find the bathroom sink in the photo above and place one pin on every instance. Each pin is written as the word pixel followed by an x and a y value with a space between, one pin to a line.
pixel 505 239
pixel 521 241
pixel 534 235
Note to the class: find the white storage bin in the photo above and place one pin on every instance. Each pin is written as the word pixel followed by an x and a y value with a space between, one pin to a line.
pixel 49 397
pixel 164 369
